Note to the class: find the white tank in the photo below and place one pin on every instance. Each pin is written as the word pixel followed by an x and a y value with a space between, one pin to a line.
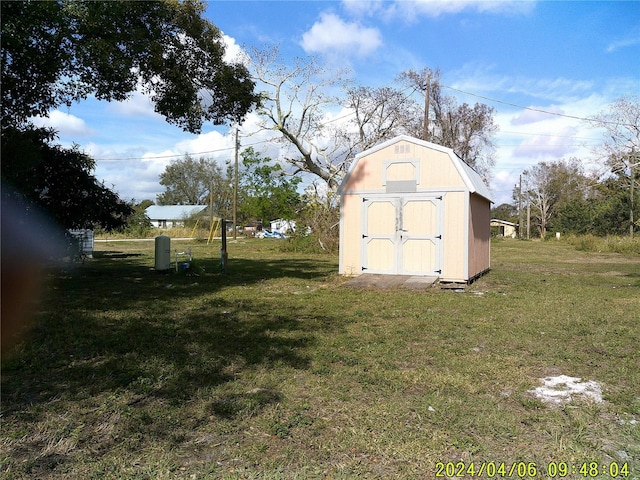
pixel 163 253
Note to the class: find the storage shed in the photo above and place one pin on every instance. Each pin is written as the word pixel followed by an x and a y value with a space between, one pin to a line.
pixel 410 207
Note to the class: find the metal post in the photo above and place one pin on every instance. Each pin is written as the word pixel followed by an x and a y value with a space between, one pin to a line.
pixel 223 248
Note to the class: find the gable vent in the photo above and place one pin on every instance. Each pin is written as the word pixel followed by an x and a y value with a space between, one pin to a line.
pixel 402 148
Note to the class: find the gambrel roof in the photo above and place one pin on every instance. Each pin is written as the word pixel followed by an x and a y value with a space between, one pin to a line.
pixel 472 180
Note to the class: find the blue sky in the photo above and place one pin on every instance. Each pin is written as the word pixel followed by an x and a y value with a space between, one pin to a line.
pixel 571 58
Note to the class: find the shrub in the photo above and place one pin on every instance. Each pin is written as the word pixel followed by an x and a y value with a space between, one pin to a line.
pixel 610 243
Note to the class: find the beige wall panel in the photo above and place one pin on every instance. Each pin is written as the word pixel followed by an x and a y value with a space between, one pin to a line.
pixel 401 171
pixel 350 235
pixel 479 235
pixel 366 176
pixel 454 245
pixel 437 170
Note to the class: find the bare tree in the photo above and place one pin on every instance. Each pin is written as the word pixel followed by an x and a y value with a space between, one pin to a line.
pixel 294 103
pixel 547 186
pixel 466 129
pixel 378 114
pixel 620 150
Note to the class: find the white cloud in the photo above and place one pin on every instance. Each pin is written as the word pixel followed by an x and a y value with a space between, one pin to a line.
pixel 443 7
pixel 412 10
pixel 233 52
pixel 502 185
pixel 536 115
pixel 138 105
pixel 555 144
pixel 332 35
pixel 482 80
pixel 135 171
pixel 65 124
pixel 623 43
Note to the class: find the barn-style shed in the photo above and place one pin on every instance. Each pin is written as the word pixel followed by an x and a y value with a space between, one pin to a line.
pixel 410 207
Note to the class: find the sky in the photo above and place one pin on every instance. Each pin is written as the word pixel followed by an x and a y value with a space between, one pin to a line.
pixel 537 63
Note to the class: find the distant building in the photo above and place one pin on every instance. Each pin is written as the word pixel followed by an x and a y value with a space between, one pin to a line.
pixel 504 228
pixel 167 216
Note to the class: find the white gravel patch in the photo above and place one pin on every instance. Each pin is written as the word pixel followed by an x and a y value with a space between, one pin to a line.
pixel 562 389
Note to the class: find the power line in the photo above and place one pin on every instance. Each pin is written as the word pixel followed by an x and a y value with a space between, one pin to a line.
pixel 544 135
pixel 177 154
pixel 539 110
pixel 406 97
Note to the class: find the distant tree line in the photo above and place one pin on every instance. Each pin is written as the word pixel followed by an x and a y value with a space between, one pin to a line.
pixel 560 197
pixel 265 190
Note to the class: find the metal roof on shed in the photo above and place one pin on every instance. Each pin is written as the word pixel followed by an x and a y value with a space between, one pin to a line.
pixel 173 212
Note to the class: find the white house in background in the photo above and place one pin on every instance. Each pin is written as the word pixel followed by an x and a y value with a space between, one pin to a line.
pixel 283 226
pixel 167 216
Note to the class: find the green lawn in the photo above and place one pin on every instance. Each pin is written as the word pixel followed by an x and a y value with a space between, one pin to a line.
pixel 276 370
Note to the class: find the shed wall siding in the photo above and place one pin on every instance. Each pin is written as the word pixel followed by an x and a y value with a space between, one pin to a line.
pixel 436 171
pixel 454 237
pixel 350 234
pixel 479 235
pixel 367 175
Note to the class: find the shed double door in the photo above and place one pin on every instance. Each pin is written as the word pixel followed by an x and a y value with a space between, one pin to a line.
pixel 402 235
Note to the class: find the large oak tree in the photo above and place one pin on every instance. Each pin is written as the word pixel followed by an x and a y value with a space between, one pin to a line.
pixel 56 53
pixel 59 52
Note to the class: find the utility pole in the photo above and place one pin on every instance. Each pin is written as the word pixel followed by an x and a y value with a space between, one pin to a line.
pixel 235 188
pixel 631 199
pixel 210 208
pixel 427 94
pixel 528 220
pixel 520 208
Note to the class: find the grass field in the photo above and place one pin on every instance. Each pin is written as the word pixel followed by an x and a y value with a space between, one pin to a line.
pixel 277 371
